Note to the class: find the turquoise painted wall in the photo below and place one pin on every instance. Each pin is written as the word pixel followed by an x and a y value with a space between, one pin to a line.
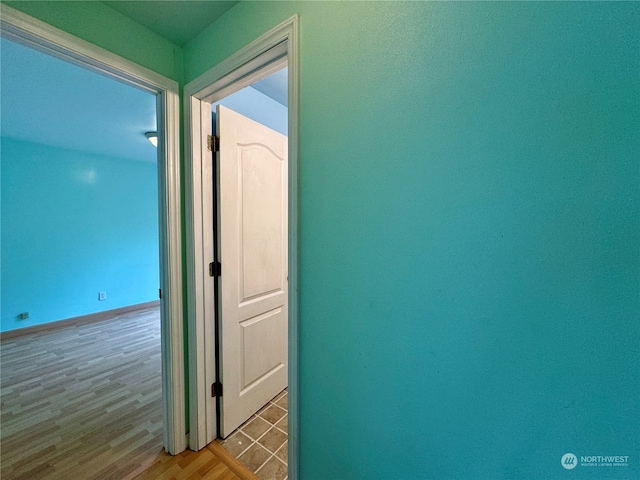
pixel 74 224
pixel 469 231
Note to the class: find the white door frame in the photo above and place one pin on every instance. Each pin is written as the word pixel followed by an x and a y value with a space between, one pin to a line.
pixel 29 31
pixel 265 55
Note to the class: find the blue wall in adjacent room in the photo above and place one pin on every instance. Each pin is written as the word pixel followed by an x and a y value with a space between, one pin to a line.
pixel 74 224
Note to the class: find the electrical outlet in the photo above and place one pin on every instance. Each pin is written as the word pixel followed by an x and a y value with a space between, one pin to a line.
pixel 24 315
pixel 102 295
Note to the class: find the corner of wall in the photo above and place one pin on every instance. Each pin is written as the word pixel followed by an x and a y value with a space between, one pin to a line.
pixel 114 32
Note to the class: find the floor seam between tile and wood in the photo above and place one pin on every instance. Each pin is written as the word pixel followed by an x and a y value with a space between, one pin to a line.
pixel 261 443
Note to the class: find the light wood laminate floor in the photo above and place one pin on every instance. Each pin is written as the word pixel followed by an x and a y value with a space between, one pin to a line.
pixel 84 402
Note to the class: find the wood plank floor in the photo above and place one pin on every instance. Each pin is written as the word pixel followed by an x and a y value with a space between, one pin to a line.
pixel 84 402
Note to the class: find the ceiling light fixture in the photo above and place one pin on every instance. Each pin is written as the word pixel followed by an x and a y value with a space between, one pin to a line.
pixel 152 137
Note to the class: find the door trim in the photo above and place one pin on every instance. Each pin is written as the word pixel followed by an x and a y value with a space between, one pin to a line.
pixel 34 33
pixel 268 53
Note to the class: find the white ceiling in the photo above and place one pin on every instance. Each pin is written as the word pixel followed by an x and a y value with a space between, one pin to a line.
pixel 52 102
pixel 275 86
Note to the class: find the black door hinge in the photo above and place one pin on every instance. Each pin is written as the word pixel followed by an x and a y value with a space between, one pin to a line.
pixel 159 293
pixel 215 269
pixel 216 389
pixel 213 143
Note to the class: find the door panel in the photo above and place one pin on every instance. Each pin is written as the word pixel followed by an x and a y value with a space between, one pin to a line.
pixel 253 251
pixel 262 343
pixel 261 229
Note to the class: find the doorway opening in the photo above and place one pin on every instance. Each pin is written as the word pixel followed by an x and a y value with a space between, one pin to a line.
pixel 25 30
pixel 276 51
pixel 80 243
pixel 250 240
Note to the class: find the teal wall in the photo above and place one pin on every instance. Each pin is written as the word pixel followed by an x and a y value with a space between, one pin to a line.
pixel 469 231
pixel 74 224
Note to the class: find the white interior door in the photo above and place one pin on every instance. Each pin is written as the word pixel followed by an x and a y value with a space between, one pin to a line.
pixel 252 176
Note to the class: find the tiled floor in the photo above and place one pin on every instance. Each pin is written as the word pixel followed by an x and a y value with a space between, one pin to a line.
pixel 261 442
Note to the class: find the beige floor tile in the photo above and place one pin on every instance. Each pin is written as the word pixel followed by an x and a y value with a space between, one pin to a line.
pixel 272 414
pixel 254 457
pixel 274 469
pixel 283 424
pixel 236 443
pixel 263 439
pixel 255 428
pixel 283 453
pixel 273 440
pixel 283 401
